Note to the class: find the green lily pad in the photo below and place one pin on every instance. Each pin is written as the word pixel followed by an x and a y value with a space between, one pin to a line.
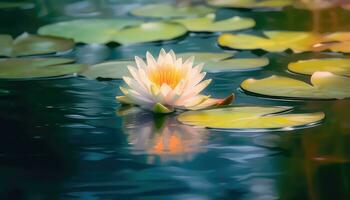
pixel 208 24
pixel 171 11
pixel 339 66
pixel 27 44
pixel 325 85
pixel 113 69
pixel 6 45
pixel 250 117
pixel 221 62
pixel 4 92
pixel 37 68
pixel 149 32
pixel 21 5
pixel 250 3
pixel 89 31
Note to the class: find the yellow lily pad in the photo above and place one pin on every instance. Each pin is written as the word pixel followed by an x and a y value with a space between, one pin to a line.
pixel 325 85
pixel 27 44
pixel 112 69
pixel 149 32
pixel 222 62
pixel 208 24
pixel 37 68
pixel 171 11
pixel 248 42
pixel 91 31
pixel 275 41
pixel 339 66
pixel 249 117
pixel 250 3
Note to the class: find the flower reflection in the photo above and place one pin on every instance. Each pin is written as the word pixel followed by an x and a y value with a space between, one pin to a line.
pixel 161 138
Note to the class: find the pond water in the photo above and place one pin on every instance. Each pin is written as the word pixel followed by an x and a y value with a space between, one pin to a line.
pixel 66 138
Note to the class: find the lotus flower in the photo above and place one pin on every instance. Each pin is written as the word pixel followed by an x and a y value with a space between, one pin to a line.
pixel 166 84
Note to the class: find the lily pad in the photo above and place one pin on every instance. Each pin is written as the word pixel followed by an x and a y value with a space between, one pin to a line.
pixel 4 92
pixel 37 68
pixel 208 24
pixel 149 32
pixel 11 5
pixel 250 3
pixel 275 41
pixel 221 62
pixel 339 66
pixel 325 85
pixel 249 117
pixel 279 41
pixel 171 11
pixel 113 69
pixel 27 44
pixel 89 31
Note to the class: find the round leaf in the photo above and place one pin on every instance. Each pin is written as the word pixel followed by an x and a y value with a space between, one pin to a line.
pixel 26 44
pixel 37 68
pixel 339 66
pixel 208 24
pixel 325 85
pixel 6 45
pixel 90 31
pixel 114 69
pixel 250 3
pixel 171 11
pixel 149 32
pixel 219 62
pixel 21 5
pixel 254 117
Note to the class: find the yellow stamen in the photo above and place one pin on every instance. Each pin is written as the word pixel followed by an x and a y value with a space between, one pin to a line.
pixel 169 75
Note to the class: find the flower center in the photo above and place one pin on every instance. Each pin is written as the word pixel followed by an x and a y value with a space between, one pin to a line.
pixel 167 74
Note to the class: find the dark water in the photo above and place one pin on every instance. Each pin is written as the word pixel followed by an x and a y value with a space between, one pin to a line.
pixel 66 139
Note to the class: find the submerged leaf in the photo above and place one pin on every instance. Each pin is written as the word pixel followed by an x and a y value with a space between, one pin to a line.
pixel 252 117
pixel 171 11
pixel 149 32
pixel 339 66
pixel 37 68
pixel 208 24
pixel 27 44
pixel 325 85
pixel 89 31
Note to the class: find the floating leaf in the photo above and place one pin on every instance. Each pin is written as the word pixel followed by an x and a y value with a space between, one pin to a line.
pixel 4 92
pixel 21 5
pixel 339 66
pixel 250 3
pixel 27 44
pixel 248 42
pixel 113 69
pixel 208 24
pixel 219 62
pixel 254 117
pixel 149 32
pixel 37 68
pixel 171 11
pixel 276 41
pixel 298 41
pixel 6 45
pixel 98 31
pixel 325 85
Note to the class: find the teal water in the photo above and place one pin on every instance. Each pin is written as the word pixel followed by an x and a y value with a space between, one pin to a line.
pixel 65 138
